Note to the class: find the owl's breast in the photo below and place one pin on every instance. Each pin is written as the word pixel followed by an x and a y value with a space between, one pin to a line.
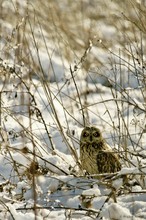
pixel 88 154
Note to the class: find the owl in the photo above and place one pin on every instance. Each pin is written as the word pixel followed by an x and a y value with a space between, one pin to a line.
pixel 95 155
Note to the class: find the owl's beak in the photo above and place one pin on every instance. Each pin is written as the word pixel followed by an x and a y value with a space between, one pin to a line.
pixel 90 138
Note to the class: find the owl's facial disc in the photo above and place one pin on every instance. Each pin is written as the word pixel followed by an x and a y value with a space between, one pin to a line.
pixel 91 135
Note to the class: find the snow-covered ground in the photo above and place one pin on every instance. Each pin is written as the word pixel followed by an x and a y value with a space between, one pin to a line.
pixel 61 191
pixel 42 113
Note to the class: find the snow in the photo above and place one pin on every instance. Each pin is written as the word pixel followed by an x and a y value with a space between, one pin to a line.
pixel 43 113
pixel 115 211
pixel 57 189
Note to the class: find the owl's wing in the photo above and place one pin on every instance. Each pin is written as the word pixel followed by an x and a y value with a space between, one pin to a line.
pixel 107 162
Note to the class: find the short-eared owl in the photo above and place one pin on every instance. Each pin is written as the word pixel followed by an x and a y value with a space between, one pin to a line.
pixel 95 155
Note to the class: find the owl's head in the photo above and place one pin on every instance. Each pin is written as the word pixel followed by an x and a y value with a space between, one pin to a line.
pixel 91 135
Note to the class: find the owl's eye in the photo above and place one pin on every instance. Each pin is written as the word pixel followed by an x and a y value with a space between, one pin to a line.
pixel 96 134
pixel 85 134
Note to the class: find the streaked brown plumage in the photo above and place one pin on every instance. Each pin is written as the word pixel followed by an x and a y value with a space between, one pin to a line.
pixel 95 155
